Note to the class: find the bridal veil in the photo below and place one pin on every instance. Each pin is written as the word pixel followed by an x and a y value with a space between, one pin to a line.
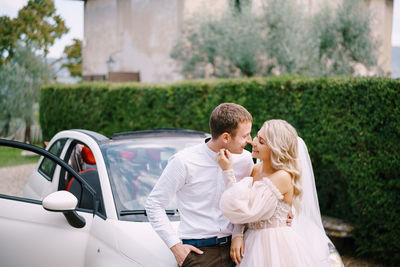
pixel 307 223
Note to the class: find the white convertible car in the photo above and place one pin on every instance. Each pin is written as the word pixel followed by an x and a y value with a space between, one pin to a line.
pixel 83 205
pixel 94 216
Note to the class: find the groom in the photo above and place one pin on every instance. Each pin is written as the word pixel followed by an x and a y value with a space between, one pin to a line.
pixel 195 178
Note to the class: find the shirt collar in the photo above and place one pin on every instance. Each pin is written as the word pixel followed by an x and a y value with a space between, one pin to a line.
pixel 208 151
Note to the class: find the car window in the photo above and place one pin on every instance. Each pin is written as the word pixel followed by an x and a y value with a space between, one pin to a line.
pixel 48 166
pixel 134 167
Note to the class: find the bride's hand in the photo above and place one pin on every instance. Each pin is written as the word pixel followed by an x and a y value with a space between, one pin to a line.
pixel 224 159
pixel 237 249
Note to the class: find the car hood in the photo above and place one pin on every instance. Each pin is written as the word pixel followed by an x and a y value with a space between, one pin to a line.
pixel 140 243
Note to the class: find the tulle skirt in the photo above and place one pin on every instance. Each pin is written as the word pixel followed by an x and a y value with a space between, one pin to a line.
pixel 276 247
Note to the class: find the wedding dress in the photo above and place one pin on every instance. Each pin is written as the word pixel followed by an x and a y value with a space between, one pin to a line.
pixel 268 240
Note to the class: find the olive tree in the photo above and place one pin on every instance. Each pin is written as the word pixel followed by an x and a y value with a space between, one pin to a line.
pixel 20 82
pixel 344 38
pixel 279 38
pixel 227 45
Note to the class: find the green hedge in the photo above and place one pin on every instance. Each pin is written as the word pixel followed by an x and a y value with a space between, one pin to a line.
pixel 350 125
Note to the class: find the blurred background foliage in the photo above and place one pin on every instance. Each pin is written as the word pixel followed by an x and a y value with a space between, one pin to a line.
pixel 36 25
pixel 24 43
pixel 277 38
pixel 20 80
pixel 73 57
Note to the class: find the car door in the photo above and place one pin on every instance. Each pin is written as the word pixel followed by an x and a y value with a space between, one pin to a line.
pixel 33 236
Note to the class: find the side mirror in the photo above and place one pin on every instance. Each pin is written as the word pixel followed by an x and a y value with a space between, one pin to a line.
pixel 60 201
pixel 65 202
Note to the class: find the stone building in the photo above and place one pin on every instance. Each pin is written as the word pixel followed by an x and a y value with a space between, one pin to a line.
pixel 132 39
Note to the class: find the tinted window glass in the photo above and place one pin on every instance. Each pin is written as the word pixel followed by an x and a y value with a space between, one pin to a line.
pixel 48 166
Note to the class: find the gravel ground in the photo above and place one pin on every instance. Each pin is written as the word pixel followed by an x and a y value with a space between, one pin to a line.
pixel 355 262
pixel 14 178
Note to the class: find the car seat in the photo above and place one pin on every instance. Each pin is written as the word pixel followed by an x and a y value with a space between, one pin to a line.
pixel 91 176
pixel 87 156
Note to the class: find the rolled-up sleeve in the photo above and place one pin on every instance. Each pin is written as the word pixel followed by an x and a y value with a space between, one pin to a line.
pixel 171 180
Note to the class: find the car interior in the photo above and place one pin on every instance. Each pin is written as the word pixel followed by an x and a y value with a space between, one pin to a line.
pixel 81 158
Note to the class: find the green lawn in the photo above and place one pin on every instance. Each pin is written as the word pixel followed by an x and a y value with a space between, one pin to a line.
pixel 12 156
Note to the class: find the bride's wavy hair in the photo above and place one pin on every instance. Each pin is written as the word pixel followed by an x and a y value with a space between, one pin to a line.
pixel 281 138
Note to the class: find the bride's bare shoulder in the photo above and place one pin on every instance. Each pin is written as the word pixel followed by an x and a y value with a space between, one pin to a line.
pixel 282 180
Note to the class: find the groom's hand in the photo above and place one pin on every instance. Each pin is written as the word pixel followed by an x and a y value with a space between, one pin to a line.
pixel 181 251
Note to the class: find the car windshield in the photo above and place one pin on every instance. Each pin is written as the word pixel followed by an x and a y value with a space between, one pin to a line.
pixel 134 166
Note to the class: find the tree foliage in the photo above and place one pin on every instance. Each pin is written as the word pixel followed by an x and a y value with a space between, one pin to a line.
pixel 224 46
pixel 279 38
pixel 20 82
pixel 345 38
pixel 37 24
pixel 73 55
pixel 8 37
pixel 288 41
pixel 24 43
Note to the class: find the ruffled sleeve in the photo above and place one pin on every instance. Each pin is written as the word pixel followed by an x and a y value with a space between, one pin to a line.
pixel 238 230
pixel 245 201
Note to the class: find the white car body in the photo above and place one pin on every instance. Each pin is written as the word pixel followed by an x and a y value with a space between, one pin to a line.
pixel 33 236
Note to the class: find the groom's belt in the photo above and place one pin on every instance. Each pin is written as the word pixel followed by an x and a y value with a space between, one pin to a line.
pixel 206 242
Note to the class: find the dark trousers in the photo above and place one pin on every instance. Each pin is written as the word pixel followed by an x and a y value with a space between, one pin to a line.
pixel 213 256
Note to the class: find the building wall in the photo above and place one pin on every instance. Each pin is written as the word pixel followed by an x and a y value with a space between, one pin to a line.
pixel 132 36
pixel 383 20
pixel 138 35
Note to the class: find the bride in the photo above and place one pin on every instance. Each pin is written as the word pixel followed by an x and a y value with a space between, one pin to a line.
pixel 281 180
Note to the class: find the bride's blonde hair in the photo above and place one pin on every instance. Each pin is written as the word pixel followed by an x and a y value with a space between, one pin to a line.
pixel 281 138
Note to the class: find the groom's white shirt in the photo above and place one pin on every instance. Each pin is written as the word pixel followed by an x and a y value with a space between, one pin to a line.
pixel 195 178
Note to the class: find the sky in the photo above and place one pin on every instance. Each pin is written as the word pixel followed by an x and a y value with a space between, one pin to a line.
pixel 72 13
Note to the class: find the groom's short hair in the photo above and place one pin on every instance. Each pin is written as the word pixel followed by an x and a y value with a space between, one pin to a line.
pixel 226 118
